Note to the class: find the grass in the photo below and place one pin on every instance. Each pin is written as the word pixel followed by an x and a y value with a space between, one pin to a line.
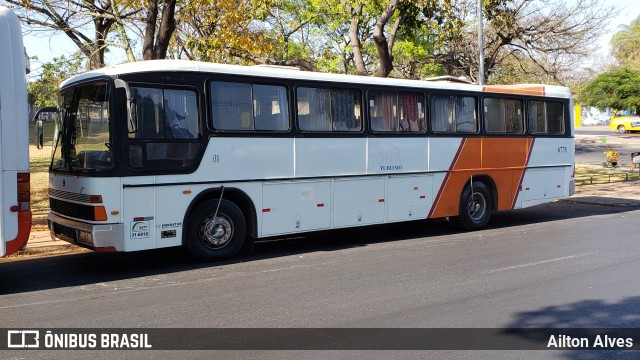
pixel 39 160
pixel 586 176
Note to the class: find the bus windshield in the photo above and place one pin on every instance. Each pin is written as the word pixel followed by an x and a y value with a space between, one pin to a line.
pixel 82 141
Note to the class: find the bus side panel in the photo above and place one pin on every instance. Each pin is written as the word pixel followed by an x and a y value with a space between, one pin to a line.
pixel 171 204
pixel 409 197
pixel 548 175
pixel 139 215
pixel 505 159
pixel 243 158
pixel 358 201
pixel 290 207
pixel 502 159
pixel 394 155
pixel 330 157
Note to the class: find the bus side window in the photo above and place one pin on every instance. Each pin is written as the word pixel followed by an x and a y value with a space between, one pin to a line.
pixel 231 107
pixel 168 129
pixel 271 107
pixel 453 114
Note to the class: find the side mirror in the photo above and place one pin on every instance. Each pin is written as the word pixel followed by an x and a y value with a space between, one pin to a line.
pixel 39 134
pixel 39 126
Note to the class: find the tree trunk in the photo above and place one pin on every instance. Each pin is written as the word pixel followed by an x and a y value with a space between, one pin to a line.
pixel 383 48
pixel 156 43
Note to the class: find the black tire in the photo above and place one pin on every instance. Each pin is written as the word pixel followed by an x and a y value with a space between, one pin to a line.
pixel 622 129
pixel 475 207
pixel 215 237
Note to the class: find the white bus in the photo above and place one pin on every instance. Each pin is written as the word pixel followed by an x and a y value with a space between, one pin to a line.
pixel 15 211
pixel 210 157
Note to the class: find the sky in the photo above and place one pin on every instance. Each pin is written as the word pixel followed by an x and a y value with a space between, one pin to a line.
pixel 47 47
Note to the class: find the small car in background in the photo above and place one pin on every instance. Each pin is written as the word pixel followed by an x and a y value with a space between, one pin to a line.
pixel 625 122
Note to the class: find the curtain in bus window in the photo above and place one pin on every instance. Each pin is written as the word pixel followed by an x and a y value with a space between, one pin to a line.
pixel 555 118
pixel 410 113
pixel 181 112
pixel 271 107
pixel 231 106
pixel 536 118
pixel 389 111
pixel 465 114
pixel 382 109
pixel 318 104
pixel 513 116
pixel 442 114
pixel 343 110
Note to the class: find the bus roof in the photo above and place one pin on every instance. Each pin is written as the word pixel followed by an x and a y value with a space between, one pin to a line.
pixel 281 72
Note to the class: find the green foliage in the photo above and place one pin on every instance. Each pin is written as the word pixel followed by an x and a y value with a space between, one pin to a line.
pixel 626 45
pixel 615 89
pixel 44 91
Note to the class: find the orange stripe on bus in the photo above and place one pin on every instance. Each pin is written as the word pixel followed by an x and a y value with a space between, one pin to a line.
pixel 524 89
pixel 504 160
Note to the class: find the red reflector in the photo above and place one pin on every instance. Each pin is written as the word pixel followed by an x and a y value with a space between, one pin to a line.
pixel 422 197
pixel 266 210
pixel 527 189
pixel 14 208
pixel 138 219
pixel 24 177
pixel 558 186
pixel 320 205
pixel 95 199
pixel 380 200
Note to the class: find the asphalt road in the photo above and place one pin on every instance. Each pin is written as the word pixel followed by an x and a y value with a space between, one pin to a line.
pixel 556 265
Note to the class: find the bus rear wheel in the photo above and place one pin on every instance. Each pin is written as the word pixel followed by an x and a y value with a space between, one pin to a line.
pixel 475 206
pixel 622 129
pixel 215 235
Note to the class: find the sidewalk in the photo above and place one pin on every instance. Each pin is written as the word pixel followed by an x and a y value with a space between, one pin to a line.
pixel 611 194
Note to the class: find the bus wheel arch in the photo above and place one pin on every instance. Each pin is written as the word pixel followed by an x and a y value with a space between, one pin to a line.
pixel 202 230
pixel 478 200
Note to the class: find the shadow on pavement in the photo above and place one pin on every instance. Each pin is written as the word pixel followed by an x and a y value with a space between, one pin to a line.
pixel 587 318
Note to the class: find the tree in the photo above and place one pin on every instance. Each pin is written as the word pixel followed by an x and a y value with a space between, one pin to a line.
pixel 72 18
pixel 44 90
pixel 614 89
pixel 549 37
pixel 220 31
pixel 626 45
pixel 160 24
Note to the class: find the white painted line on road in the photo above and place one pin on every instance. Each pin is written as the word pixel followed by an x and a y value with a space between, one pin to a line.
pixel 542 262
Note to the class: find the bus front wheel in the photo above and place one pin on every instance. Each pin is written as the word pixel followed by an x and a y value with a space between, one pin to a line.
pixel 475 206
pixel 621 129
pixel 216 230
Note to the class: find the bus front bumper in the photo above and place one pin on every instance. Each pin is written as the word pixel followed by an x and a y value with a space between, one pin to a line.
pixel 107 237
